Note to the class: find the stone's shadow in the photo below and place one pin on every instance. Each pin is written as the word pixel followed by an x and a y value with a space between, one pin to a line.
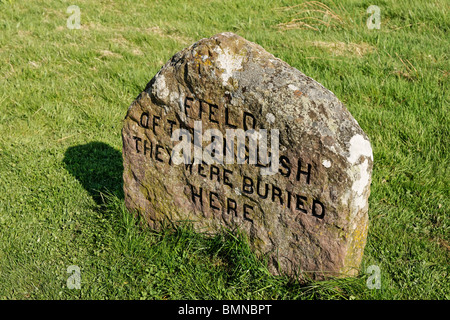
pixel 99 168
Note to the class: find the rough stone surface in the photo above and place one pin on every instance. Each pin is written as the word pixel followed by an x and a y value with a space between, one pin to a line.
pixel 311 216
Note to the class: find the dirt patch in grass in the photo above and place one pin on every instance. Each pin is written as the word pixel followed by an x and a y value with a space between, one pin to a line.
pixel 339 48
pixel 107 53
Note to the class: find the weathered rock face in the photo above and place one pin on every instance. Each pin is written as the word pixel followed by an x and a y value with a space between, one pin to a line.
pixel 309 215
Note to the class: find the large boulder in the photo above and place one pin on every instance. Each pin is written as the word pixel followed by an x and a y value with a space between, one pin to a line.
pixel 305 210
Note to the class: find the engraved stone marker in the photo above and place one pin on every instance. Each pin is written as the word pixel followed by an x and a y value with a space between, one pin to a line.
pixel 226 135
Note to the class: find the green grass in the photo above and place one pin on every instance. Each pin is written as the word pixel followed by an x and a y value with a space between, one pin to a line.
pixel 64 94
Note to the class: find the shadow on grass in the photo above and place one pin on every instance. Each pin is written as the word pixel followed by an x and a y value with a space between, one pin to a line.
pixel 98 167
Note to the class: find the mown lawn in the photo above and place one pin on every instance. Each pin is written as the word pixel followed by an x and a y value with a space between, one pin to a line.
pixel 64 93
